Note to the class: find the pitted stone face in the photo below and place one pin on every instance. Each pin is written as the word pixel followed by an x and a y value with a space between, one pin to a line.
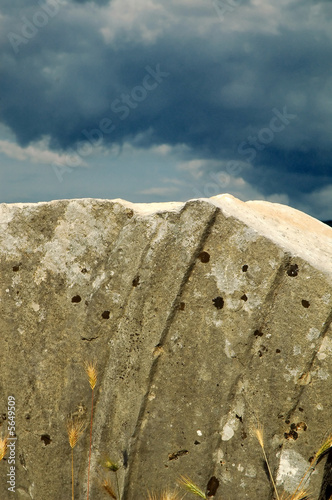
pixel 204 318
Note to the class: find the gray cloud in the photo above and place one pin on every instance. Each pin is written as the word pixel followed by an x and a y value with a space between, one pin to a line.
pixel 218 98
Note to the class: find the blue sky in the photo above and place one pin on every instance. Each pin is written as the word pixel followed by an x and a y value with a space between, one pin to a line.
pixel 155 100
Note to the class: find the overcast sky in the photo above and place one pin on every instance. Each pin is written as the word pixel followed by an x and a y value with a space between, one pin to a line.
pixel 167 100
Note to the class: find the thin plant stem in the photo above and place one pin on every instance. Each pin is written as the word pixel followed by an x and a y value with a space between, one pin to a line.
pixel 75 429
pixel 259 435
pixel 268 466
pixel 91 371
pixel 72 473
pixel 91 422
pixel 326 445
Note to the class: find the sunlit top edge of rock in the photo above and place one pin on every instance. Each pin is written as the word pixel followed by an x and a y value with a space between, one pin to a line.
pixel 294 231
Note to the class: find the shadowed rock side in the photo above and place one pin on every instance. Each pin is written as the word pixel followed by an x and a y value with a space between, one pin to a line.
pixel 204 318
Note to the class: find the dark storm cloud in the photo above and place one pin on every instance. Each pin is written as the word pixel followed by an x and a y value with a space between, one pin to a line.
pixel 221 96
pixel 97 2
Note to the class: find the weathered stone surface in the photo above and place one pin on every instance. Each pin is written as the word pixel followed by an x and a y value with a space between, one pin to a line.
pixel 202 317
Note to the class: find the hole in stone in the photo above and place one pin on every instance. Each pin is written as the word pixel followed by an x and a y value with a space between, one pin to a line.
pixel 293 270
pixel 301 426
pixel 305 303
pixel 278 351
pixel 16 268
pixel 177 454
pixel 125 458
pixel 245 268
pixel 212 486
pixel 291 435
pixel 105 314
pixel 258 333
pixel 27 416
pixel 182 306
pixel 244 297
pixel 301 409
pixel 84 270
pixel 239 417
pixel 204 257
pixel 218 302
pixel 46 438
pixel 136 281
pixel 76 299
pixel 196 442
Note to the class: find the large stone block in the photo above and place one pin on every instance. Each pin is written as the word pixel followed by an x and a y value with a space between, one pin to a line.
pixel 204 318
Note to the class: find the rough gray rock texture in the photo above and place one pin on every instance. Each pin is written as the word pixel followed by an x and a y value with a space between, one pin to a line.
pixel 203 317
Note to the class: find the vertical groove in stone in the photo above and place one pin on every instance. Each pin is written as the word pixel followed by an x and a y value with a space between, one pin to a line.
pixel 324 330
pixel 169 321
pixel 101 416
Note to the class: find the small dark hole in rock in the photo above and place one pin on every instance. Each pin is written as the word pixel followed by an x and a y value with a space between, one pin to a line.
pixel 245 268
pixel 218 302
pixel 204 257
pixel 258 333
pixel 291 435
pixel 16 268
pixel 46 438
pixel 287 421
pixel 84 270
pixel 278 351
pixel 106 314
pixel 76 299
pixel 136 281
pixel 239 417
pixel 177 454
pixel 244 297
pixel 301 426
pixel 293 270
pixel 196 442
pixel 182 306
pixel 305 304
pixel 212 486
pixel 125 458
pixel 300 409
pixel 27 416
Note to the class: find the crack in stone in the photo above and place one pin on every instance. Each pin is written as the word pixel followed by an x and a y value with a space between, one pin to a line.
pixel 169 321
